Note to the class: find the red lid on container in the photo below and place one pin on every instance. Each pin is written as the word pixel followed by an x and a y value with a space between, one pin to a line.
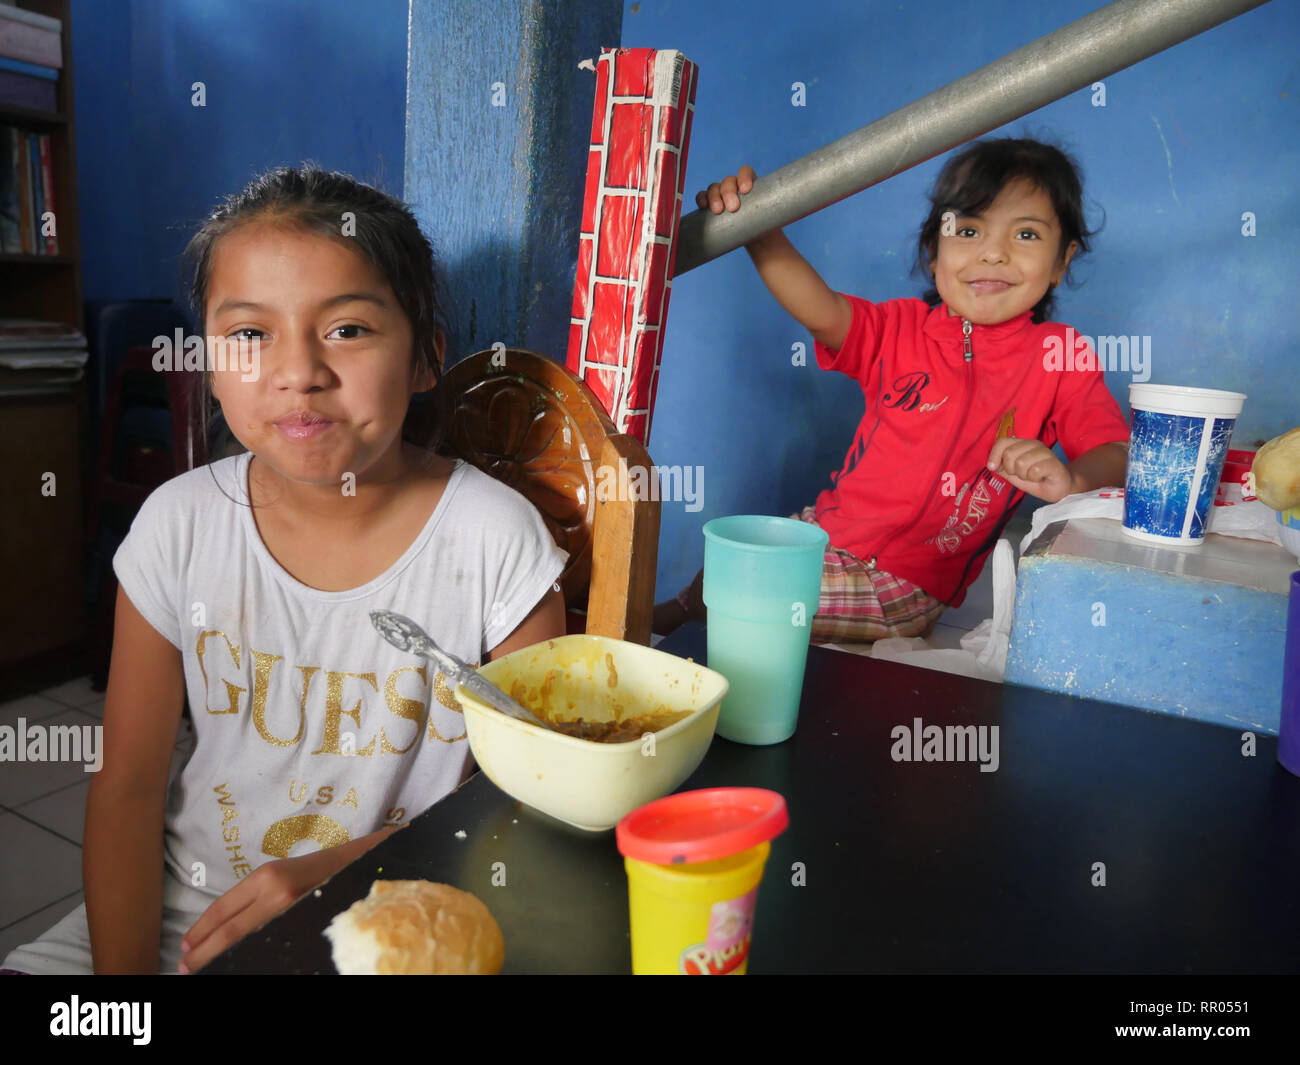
pixel 702 826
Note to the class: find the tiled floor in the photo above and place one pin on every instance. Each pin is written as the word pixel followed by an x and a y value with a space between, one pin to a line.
pixel 42 810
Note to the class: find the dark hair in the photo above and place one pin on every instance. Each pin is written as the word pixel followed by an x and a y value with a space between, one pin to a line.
pixel 315 201
pixel 972 180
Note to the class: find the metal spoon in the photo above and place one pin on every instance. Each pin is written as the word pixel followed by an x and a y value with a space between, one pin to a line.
pixel 406 635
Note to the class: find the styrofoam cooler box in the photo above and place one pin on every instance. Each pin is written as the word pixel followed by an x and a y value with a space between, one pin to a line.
pixel 1192 631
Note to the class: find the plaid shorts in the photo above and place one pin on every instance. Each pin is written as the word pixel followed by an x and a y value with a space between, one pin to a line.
pixel 859 604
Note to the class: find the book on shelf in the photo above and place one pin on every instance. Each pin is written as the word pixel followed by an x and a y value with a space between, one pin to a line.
pixel 27 193
pixel 50 240
pixel 30 344
pixel 25 332
pixel 21 89
pixel 32 70
pixel 29 37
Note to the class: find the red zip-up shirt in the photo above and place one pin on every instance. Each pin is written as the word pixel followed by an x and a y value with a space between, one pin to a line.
pixel 915 497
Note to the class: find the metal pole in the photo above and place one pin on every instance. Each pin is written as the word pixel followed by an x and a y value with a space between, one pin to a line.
pixel 1088 49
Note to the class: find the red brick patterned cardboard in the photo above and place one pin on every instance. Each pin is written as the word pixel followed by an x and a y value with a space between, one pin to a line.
pixel 640 131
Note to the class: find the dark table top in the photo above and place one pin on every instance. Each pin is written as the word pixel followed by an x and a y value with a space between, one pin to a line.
pixel 907 867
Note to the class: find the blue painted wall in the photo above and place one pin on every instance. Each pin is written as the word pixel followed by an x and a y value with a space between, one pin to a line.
pixel 497 136
pixel 1188 141
pixel 286 81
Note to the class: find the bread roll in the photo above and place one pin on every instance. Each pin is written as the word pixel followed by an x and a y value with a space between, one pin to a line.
pixel 1277 471
pixel 414 927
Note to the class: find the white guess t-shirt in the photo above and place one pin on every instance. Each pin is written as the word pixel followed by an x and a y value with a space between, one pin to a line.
pixel 312 730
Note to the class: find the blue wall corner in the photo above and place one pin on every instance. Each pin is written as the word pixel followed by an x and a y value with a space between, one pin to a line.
pixel 498 124
pixel 284 83
pixel 1188 141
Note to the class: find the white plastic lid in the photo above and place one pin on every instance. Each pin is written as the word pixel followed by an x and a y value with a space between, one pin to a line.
pixel 1179 399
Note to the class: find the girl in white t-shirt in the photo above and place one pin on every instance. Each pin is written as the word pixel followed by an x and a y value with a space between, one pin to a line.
pixel 247 585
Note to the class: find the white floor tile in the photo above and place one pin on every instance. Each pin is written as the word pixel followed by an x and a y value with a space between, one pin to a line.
pixel 30 708
pixel 23 781
pixel 74 693
pixel 35 925
pixel 946 637
pixel 95 709
pixel 63 812
pixel 47 868
pixel 978 604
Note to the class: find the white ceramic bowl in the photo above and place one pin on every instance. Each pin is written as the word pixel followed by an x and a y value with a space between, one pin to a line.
pixel 586 784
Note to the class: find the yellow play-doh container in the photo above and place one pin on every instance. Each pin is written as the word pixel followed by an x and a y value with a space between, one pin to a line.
pixel 694 863
pixel 695 919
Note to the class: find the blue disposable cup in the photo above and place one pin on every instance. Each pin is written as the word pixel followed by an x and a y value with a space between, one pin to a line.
pixel 1288 730
pixel 1177 444
pixel 762 586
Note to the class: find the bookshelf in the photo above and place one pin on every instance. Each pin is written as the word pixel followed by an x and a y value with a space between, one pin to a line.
pixel 44 424
pixel 49 286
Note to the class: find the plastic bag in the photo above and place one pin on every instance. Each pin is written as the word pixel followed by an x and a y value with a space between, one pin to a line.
pixel 983 652
pixel 1249 520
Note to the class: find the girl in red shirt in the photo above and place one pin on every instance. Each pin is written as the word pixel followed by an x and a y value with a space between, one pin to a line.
pixel 966 391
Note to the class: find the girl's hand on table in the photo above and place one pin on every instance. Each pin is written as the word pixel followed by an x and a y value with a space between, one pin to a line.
pixel 267 891
pixel 1030 466
pixel 727 192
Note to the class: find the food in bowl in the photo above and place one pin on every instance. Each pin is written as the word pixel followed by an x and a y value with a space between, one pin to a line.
pixel 625 730
pixel 617 728
pixel 594 686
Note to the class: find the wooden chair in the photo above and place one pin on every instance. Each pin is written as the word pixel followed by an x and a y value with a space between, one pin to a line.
pixel 140 470
pixel 527 421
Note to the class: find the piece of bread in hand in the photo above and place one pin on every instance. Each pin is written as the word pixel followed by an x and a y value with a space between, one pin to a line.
pixel 1007 426
pixel 1277 471
pixel 415 927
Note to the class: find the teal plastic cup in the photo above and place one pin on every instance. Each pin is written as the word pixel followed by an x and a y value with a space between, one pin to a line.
pixel 762 584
